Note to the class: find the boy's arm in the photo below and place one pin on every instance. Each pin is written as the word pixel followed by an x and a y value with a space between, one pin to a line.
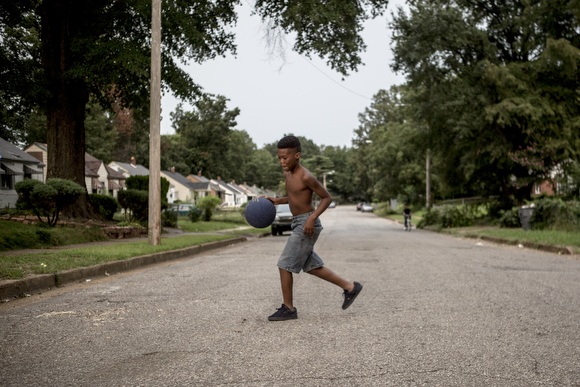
pixel 311 182
pixel 276 200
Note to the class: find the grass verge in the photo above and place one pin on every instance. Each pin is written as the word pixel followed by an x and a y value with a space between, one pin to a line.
pixel 548 237
pixel 189 226
pixel 18 266
pixel 15 236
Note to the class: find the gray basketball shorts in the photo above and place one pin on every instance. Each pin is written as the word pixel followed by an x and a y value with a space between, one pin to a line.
pixel 299 251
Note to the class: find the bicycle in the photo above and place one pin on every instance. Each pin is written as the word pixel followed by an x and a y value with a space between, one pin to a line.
pixel 408 223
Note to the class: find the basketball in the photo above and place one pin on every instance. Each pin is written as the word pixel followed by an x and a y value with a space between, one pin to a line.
pixel 260 212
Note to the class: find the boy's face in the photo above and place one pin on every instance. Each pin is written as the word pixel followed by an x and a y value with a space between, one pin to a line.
pixel 288 158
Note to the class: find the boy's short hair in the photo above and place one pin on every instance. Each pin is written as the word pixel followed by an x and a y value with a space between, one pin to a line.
pixel 290 142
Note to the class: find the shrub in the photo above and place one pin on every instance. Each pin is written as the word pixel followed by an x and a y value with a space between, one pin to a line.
pixel 47 200
pixel 141 183
pixel 208 204
pixel 448 216
pixel 134 202
pixel 169 218
pixel 194 214
pixel 106 205
pixel 509 219
pixel 556 214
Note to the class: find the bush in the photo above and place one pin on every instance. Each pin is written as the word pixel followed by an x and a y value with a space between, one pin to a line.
pixel 47 200
pixel 551 213
pixel 208 204
pixel 134 202
pixel 509 219
pixel 169 218
pixel 194 214
pixel 106 205
pixel 141 183
pixel 448 216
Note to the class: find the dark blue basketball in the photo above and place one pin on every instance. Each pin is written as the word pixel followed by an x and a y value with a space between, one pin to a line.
pixel 260 212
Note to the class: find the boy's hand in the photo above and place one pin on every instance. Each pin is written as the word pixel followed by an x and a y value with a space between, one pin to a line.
pixel 273 200
pixel 309 227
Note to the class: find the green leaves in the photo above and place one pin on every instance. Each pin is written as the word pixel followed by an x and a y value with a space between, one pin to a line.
pixel 47 200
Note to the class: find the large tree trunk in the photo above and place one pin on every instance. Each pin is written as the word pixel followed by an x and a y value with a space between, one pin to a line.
pixel 61 22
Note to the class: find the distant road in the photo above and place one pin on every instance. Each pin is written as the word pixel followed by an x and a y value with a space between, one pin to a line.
pixel 435 311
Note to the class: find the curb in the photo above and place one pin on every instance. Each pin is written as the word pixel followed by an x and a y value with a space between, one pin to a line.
pixel 45 281
pixel 529 245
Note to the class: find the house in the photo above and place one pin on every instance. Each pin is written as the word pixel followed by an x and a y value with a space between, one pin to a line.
pixel 250 191
pixel 182 188
pixel 15 166
pixel 99 178
pixel 204 187
pixel 39 151
pixel 231 197
pixel 116 181
pixel 241 197
pixel 129 169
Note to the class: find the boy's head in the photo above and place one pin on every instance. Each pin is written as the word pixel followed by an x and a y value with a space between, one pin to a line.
pixel 289 152
pixel 290 142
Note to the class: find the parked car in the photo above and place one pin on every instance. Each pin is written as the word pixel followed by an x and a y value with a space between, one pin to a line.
pixel 332 204
pixel 283 220
pixel 183 208
pixel 359 206
pixel 366 207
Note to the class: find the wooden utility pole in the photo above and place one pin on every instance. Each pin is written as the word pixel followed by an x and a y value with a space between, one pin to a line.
pixel 428 179
pixel 155 128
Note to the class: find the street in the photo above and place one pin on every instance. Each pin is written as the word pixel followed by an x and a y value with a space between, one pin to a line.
pixel 434 311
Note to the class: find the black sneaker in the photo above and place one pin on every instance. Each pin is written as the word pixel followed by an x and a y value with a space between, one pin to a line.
pixel 350 296
pixel 283 313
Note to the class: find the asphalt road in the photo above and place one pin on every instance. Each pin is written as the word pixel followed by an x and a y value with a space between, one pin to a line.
pixel 434 311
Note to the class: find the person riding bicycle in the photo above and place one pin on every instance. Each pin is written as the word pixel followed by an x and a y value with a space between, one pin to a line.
pixel 407 215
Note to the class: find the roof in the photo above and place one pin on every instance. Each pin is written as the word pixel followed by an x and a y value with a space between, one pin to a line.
pixel 92 162
pixel 90 173
pixel 178 177
pixel 201 178
pixel 114 174
pixel 133 170
pixel 238 188
pixel 10 152
pixel 226 186
pixel 251 190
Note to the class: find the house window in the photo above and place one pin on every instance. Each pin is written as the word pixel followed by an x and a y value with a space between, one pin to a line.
pixel 537 189
pixel 7 182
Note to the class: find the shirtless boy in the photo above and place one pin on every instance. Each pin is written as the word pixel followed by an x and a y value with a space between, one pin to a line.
pixel 306 227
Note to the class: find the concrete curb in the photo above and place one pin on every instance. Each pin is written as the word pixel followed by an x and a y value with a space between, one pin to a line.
pixel 529 245
pixel 13 288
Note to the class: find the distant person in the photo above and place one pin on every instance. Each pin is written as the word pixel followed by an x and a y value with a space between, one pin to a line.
pixel 298 254
pixel 407 214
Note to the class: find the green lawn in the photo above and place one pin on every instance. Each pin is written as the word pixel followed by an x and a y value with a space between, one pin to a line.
pixel 18 266
pixel 16 236
pixel 189 226
pixel 558 238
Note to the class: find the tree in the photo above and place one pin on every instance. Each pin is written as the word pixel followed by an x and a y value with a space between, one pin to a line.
pixel 101 134
pixel 205 132
pixel 490 79
pixel 81 49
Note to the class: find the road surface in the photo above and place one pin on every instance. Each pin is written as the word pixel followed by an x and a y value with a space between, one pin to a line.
pixel 434 311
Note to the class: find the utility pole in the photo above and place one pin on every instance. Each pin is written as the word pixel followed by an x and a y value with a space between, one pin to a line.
pixel 428 179
pixel 154 225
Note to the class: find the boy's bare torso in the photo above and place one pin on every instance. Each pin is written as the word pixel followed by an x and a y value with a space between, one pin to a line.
pixel 298 193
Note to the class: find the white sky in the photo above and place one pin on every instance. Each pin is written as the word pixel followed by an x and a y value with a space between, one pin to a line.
pixel 297 98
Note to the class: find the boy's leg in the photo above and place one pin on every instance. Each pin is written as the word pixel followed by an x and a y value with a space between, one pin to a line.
pixel 328 275
pixel 287 281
